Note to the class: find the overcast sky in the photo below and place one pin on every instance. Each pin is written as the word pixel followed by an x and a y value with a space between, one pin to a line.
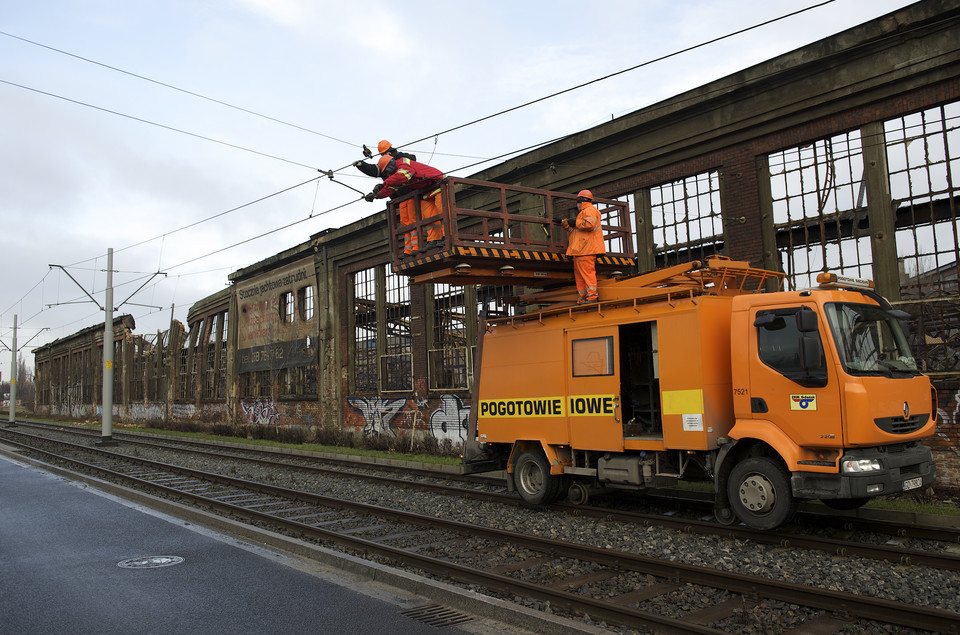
pixel 93 157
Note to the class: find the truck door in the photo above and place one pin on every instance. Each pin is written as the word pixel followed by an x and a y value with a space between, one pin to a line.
pixel 789 386
pixel 593 389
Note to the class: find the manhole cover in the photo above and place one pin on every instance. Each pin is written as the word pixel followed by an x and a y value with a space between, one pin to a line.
pixel 150 562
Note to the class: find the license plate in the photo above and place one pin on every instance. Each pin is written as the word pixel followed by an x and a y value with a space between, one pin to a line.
pixel 912 483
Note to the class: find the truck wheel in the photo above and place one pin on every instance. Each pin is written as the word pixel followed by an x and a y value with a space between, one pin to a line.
pixel 533 479
pixel 578 494
pixel 759 491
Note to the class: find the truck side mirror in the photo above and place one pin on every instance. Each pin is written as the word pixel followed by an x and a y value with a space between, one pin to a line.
pixel 810 353
pixel 806 321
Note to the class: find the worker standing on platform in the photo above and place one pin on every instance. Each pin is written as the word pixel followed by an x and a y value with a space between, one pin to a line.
pixel 404 175
pixel 586 242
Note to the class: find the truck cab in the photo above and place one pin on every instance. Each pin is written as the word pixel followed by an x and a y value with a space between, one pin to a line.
pixel 824 386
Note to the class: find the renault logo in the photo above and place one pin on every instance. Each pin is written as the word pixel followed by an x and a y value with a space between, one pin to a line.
pixel 906 410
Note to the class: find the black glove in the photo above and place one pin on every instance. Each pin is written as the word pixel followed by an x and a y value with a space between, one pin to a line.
pixel 366 168
pixel 369 197
pixel 377 188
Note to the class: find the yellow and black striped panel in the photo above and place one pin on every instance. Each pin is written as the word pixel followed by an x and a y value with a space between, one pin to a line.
pixel 494 253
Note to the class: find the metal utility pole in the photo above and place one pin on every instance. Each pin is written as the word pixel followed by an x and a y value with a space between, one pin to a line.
pixel 106 432
pixel 14 364
pixel 13 377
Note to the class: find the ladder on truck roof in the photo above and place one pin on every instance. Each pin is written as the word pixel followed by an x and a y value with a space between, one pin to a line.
pixel 502 234
pixel 717 275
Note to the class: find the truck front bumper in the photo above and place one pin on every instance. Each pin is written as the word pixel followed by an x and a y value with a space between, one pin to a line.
pixel 903 468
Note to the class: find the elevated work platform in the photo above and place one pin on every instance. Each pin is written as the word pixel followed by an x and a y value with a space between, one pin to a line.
pixel 504 234
pixel 715 276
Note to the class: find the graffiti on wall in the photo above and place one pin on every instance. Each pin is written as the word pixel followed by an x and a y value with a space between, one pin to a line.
pixel 182 411
pixel 450 420
pixel 260 412
pixel 66 396
pixel 948 414
pixel 378 413
pixel 146 411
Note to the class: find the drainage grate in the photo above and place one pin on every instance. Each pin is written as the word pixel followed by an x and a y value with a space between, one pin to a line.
pixel 150 562
pixel 436 616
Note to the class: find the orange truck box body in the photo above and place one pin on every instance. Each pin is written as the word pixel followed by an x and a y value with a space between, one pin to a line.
pixel 529 363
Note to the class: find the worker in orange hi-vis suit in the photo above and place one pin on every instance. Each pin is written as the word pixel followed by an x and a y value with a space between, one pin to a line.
pixel 586 242
pixel 403 175
pixel 408 215
pixel 431 204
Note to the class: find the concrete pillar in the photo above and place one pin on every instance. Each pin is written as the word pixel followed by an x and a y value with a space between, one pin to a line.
pixel 880 211
pixel 643 221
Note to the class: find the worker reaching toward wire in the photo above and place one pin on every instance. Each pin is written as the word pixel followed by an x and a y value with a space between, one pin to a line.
pixel 403 175
pixel 586 242
pixel 384 147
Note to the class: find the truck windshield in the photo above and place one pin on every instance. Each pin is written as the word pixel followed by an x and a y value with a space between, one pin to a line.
pixel 870 340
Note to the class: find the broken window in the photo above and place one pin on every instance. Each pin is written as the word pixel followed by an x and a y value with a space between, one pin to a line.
pixel 820 210
pixel 449 355
pixel 397 361
pixel 687 224
pixel 365 330
pixel 923 156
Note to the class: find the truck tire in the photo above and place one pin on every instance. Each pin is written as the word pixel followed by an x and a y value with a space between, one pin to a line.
pixel 760 494
pixel 533 480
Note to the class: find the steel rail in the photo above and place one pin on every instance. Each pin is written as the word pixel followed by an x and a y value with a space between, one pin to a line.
pixel 868 608
pixel 888 553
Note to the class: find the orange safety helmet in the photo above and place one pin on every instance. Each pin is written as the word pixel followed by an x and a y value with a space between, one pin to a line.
pixel 384 162
pixel 586 195
pixel 383 146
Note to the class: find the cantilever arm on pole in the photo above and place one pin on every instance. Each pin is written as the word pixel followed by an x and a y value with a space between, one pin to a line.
pixel 138 290
pixel 78 284
pixel 329 174
pixel 24 345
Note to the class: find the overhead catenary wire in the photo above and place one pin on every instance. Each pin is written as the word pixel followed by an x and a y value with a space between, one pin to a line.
pixel 626 70
pixel 176 88
pixel 434 135
pixel 153 123
pixel 228 247
pixel 312 215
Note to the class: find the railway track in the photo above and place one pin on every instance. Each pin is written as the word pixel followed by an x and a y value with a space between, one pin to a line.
pixel 842 543
pixel 567 575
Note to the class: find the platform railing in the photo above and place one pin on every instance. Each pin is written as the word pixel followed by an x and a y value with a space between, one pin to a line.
pixel 500 216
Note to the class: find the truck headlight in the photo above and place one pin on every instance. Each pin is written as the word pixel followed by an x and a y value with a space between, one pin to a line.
pixel 860 465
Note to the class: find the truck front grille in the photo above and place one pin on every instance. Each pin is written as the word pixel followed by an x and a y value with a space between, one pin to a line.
pixel 899 425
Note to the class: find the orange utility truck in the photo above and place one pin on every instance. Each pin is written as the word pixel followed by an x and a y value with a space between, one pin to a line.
pixel 692 372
